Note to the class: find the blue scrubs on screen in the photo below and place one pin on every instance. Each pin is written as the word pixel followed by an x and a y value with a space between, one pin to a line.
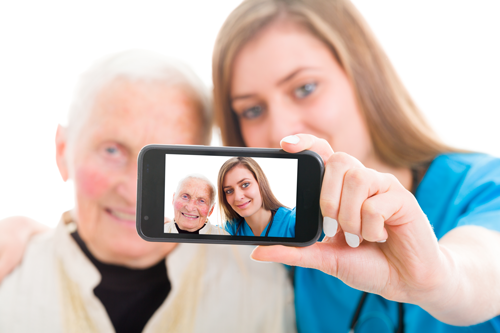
pixel 457 190
pixel 283 225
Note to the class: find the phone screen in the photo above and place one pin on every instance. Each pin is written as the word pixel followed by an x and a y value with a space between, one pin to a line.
pixel 228 195
pixel 233 196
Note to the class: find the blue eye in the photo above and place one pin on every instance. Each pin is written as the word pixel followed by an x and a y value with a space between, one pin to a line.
pixel 245 185
pixel 111 150
pixel 305 90
pixel 229 191
pixel 253 112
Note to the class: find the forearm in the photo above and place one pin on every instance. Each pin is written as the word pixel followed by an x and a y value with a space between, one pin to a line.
pixel 472 294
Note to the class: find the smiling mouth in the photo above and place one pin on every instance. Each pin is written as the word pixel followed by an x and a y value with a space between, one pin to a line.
pixel 244 205
pixel 189 216
pixel 121 215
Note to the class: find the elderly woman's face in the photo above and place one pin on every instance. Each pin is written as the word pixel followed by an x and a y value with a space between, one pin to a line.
pixel 103 163
pixel 286 81
pixel 192 205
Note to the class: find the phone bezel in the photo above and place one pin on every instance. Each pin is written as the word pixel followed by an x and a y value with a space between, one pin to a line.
pixel 151 195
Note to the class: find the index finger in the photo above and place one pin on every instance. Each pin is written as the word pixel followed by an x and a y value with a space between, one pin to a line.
pixel 300 142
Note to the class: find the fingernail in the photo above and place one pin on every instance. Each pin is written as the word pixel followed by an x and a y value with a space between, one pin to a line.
pixel 330 226
pixel 260 262
pixel 293 139
pixel 382 241
pixel 351 239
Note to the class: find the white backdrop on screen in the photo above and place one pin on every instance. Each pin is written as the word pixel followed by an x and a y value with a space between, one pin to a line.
pixel 445 51
pixel 281 174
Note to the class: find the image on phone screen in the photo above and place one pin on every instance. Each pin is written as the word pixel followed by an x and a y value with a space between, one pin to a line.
pixel 230 195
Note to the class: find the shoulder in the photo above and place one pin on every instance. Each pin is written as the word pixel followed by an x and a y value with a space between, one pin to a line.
pixel 467 171
pixel 31 286
pixel 469 163
pixel 231 225
pixel 170 227
pixel 286 212
pixel 461 189
pixel 39 251
pixel 213 229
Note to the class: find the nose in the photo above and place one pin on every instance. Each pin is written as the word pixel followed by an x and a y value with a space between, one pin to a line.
pixel 190 206
pixel 127 187
pixel 284 119
pixel 238 194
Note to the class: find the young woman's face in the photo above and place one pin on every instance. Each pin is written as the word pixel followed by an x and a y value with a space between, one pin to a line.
pixel 242 191
pixel 286 81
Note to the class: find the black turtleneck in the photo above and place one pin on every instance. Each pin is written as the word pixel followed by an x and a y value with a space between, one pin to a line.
pixel 130 296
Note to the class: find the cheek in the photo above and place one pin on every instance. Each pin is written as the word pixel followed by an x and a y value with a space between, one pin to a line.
pixel 91 182
pixel 178 205
pixel 252 134
pixel 203 210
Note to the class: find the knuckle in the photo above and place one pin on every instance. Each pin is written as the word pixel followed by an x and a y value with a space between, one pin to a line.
pixel 342 157
pixel 323 141
pixel 369 210
pixel 328 207
pixel 348 222
pixel 356 177
pixel 393 179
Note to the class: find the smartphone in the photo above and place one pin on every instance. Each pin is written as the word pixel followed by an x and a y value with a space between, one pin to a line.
pixel 228 195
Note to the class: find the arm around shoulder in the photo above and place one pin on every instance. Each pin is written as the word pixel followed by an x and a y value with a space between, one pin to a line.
pixel 15 233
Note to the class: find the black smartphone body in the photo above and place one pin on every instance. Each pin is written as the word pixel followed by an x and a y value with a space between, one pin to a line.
pixel 228 195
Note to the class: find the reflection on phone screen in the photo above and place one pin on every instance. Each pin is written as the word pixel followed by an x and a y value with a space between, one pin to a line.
pixel 239 196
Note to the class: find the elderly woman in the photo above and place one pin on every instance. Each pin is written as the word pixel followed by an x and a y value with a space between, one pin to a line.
pixel 93 273
pixel 194 202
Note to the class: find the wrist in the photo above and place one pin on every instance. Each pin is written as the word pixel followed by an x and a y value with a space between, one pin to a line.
pixel 444 300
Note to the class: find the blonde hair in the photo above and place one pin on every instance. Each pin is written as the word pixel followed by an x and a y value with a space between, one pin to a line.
pixel 269 201
pixel 400 135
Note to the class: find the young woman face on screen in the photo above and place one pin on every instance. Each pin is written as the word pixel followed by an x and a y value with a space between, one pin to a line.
pixel 242 191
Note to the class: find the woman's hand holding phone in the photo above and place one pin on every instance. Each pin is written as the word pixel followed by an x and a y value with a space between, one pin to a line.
pixel 384 243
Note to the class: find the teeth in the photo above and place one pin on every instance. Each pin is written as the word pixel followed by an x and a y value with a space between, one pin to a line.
pixel 123 216
pixel 188 215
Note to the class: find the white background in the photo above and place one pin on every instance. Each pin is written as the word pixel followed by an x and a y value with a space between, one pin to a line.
pixel 280 173
pixel 446 52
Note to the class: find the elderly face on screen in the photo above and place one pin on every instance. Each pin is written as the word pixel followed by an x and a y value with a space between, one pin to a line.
pixel 193 203
pixel 125 104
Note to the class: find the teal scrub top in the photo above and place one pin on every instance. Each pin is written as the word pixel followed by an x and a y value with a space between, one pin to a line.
pixel 457 190
pixel 283 225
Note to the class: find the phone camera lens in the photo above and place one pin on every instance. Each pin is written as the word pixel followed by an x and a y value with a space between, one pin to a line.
pixel 146 218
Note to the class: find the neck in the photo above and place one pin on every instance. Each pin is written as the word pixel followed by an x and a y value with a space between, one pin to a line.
pixel 402 174
pixel 137 262
pixel 259 220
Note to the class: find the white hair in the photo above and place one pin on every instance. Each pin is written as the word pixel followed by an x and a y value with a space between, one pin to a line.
pixel 200 177
pixel 137 66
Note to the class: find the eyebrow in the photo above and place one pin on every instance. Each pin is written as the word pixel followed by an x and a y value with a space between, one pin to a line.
pixel 279 83
pixel 241 181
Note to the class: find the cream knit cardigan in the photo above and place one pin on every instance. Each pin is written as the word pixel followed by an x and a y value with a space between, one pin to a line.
pixel 215 288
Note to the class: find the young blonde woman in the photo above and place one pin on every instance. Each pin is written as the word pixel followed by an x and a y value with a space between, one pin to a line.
pixel 248 204
pixel 412 225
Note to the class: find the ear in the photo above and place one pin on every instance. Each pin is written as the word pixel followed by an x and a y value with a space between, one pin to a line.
pixel 173 198
pixel 211 210
pixel 62 152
